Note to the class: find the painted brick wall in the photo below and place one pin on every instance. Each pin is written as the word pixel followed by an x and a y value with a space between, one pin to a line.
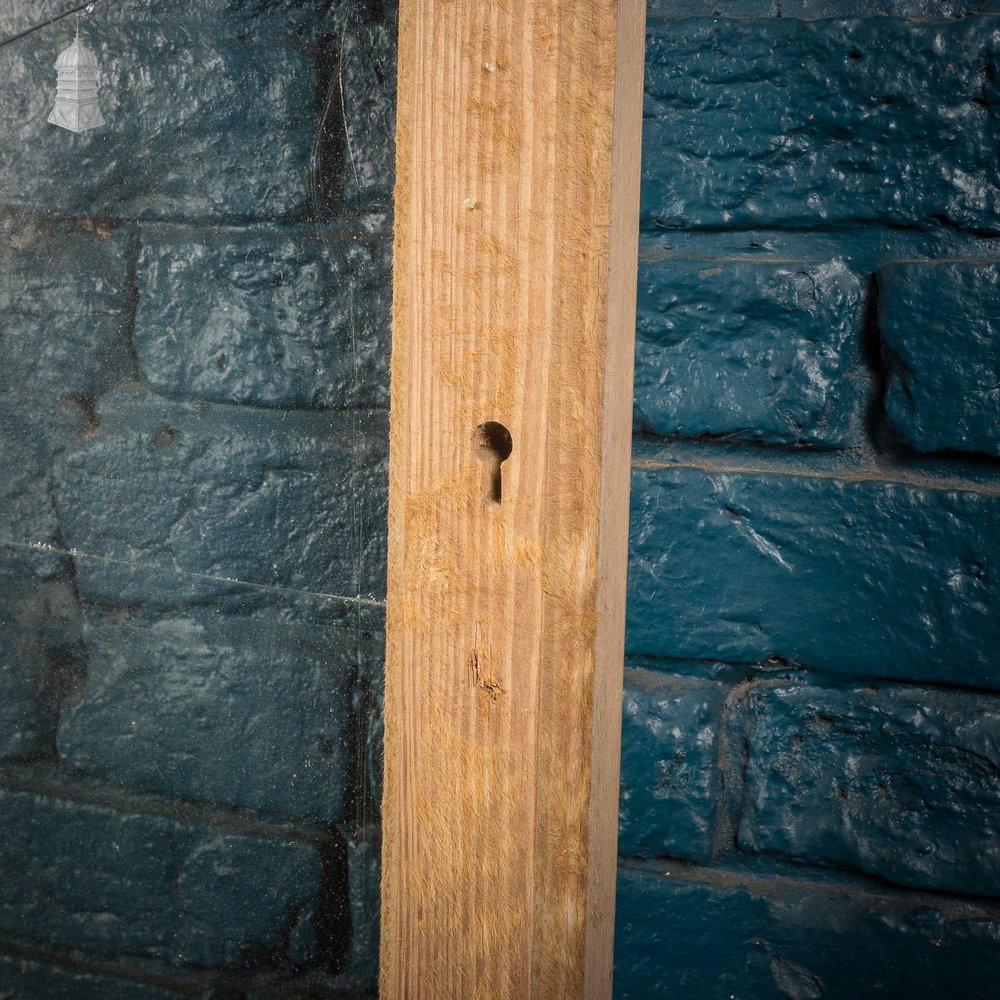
pixel 811 761
pixel 810 791
pixel 194 324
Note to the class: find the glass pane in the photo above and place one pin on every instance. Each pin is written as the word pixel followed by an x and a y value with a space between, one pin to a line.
pixel 195 282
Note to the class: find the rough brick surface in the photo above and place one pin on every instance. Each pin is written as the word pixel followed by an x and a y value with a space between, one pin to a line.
pixel 237 141
pixel 40 654
pixel 215 521
pixel 749 350
pixel 709 8
pixel 15 18
pixel 902 783
pixel 670 779
pixel 163 472
pixel 364 860
pixel 934 10
pixel 865 579
pixel 368 92
pixel 785 939
pixel 64 305
pixel 32 430
pixel 216 708
pixel 85 876
pixel 803 123
pixel 246 316
pixel 23 979
pixel 187 499
pixel 768 140
pixel 370 698
pixel 939 325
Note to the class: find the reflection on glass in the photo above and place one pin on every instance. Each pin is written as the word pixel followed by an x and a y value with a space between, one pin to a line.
pixel 194 342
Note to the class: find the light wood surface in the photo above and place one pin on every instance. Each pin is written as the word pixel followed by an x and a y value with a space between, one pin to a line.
pixel 517 157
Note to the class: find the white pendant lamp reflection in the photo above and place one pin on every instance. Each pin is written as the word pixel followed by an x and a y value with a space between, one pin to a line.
pixel 76 106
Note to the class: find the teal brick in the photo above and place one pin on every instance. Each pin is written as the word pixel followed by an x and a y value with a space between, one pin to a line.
pixel 366 92
pixel 709 8
pixel 716 935
pixel 858 579
pixel 751 350
pixel 64 313
pixel 33 429
pixel 41 654
pixel 784 122
pixel 186 502
pixel 63 339
pixel 238 525
pixel 670 777
pixel 898 782
pixel 940 337
pixel 370 703
pixel 932 10
pixel 364 858
pixel 81 875
pixel 236 895
pixel 216 708
pixel 181 140
pixel 64 308
pixel 25 979
pixel 248 316
pixel 674 938
pixel 936 10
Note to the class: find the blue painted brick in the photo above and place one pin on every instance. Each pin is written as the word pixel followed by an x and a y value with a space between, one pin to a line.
pixel 64 301
pixel 180 140
pixel 185 502
pixel 40 653
pixel 24 979
pixel 864 579
pixel 370 703
pixel 246 316
pixel 932 10
pixel 709 8
pixel 364 860
pixel 805 123
pixel 216 708
pixel 80 875
pixel 716 935
pixel 65 307
pixel 674 938
pixel 670 778
pixel 32 429
pixel 939 325
pixel 367 96
pixel 935 10
pixel 899 782
pixel 750 350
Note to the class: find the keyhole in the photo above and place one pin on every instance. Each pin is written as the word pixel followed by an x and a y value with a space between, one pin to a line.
pixel 493 446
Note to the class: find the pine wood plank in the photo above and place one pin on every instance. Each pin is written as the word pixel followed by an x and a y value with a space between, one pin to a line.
pixel 518 141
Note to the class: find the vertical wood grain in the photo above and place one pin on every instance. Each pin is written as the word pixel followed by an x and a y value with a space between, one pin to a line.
pixel 514 301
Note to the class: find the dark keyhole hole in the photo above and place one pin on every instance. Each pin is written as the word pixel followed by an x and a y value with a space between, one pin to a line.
pixel 493 446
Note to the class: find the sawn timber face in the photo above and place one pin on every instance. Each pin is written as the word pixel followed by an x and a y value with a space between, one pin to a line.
pixel 513 303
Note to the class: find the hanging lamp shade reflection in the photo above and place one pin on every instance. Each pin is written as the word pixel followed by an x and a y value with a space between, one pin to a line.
pixel 76 97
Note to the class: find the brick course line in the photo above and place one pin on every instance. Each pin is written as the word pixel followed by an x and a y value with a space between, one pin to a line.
pixel 15 780
pixel 871 474
pixel 76 962
pixel 777 884
pixel 371 602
